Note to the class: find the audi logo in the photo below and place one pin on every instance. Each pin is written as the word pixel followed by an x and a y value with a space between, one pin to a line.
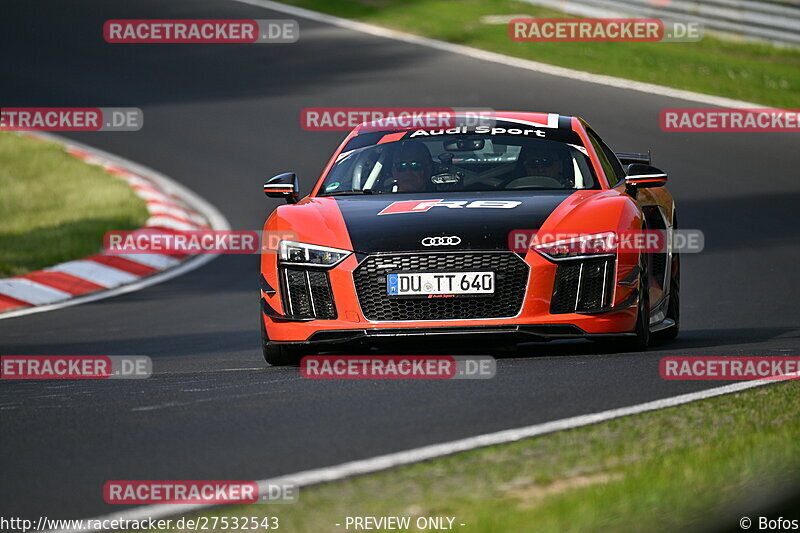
pixel 441 241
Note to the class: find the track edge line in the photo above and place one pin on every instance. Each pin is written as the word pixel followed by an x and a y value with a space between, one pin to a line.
pixel 434 451
pixel 495 57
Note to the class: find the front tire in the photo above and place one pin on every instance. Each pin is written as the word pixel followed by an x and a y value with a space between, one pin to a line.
pixel 277 354
pixel 642 339
pixel 674 306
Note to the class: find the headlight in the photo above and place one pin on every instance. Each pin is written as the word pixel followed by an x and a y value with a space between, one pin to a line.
pixel 579 247
pixel 298 253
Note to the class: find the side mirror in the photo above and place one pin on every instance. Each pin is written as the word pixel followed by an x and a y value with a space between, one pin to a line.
pixel 284 186
pixel 642 176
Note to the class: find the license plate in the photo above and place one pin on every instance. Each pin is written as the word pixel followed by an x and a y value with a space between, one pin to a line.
pixel 439 284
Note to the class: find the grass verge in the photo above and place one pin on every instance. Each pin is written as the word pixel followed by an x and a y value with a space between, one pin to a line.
pixel 685 467
pixel 54 207
pixel 758 73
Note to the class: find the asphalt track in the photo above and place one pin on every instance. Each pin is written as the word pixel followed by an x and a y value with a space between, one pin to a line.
pixel 220 119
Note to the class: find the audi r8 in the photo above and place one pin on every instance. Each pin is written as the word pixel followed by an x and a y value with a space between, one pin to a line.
pixel 502 228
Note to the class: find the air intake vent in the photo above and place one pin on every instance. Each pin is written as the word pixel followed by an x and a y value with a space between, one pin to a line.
pixel 308 294
pixel 583 286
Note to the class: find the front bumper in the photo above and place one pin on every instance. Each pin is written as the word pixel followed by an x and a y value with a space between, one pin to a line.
pixel 534 321
pixel 515 333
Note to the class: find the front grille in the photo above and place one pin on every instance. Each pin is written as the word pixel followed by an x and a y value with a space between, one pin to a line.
pixel 511 277
pixel 308 294
pixel 583 286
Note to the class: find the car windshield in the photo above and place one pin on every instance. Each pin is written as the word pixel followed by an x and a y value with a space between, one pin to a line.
pixel 458 163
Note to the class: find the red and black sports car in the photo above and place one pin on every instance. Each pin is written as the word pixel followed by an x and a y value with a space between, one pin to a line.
pixel 413 232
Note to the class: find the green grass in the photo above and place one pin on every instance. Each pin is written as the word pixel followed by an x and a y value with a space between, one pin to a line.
pixel 54 207
pixel 669 470
pixel 758 73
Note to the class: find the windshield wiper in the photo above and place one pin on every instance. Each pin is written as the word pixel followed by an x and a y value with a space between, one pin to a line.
pixel 359 191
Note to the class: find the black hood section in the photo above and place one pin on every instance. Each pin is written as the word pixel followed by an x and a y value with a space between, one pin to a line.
pixel 478 228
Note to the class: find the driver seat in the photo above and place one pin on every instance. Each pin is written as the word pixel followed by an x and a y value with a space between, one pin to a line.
pixel 566 181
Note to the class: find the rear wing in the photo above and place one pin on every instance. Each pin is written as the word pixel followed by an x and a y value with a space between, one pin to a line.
pixel 626 158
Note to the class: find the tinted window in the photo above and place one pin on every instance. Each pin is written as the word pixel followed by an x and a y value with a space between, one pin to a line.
pixel 474 162
pixel 611 165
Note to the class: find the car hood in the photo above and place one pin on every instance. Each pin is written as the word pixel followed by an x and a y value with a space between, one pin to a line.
pixel 480 220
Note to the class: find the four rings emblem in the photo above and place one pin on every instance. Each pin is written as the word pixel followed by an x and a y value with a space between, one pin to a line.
pixel 441 241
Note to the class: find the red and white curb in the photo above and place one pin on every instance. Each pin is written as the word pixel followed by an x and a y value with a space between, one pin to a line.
pixel 171 207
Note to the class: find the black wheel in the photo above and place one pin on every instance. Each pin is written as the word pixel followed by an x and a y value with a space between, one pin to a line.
pixel 674 305
pixel 642 339
pixel 277 354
